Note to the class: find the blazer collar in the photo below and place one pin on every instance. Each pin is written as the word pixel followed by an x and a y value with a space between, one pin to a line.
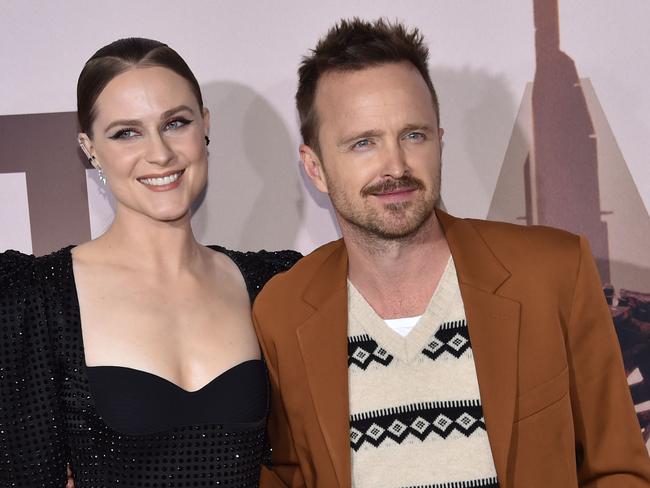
pixel 476 265
pixel 331 276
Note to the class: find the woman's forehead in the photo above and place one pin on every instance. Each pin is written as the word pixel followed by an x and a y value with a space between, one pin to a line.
pixel 142 92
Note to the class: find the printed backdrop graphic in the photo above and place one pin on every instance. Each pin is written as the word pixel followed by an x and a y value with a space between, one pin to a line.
pixel 564 169
pixel 43 148
pixel 545 107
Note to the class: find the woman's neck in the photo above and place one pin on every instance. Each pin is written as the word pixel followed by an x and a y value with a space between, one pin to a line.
pixel 138 241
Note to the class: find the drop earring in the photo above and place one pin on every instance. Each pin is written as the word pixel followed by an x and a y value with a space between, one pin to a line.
pixel 100 172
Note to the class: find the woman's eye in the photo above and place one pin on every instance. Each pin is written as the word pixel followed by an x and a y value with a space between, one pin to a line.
pixel 177 124
pixel 124 134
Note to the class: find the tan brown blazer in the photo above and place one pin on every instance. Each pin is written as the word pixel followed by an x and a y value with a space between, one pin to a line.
pixel 557 406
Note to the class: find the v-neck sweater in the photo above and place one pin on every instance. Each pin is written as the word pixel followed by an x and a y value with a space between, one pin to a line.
pixel 415 410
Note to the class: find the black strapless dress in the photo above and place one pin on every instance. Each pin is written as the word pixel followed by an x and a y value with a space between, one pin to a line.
pixel 116 426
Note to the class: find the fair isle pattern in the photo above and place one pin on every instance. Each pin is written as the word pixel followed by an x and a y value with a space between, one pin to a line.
pixel 363 350
pixel 418 420
pixel 484 483
pixel 452 338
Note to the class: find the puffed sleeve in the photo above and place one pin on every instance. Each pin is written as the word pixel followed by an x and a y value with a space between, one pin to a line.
pixel 32 448
pixel 258 267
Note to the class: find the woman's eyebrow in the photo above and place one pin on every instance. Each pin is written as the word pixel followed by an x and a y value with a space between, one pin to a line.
pixel 115 123
pixel 172 111
pixel 136 122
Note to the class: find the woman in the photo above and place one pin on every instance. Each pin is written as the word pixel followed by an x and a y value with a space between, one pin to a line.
pixel 132 357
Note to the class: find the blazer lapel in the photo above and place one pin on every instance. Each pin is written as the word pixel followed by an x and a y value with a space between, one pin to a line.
pixel 493 323
pixel 323 345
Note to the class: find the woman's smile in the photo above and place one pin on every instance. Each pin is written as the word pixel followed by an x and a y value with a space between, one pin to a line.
pixel 163 182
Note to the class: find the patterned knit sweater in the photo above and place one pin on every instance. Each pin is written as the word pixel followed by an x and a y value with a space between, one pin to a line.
pixel 415 410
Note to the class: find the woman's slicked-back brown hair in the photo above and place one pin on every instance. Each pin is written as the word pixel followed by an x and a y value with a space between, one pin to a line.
pixel 353 45
pixel 118 57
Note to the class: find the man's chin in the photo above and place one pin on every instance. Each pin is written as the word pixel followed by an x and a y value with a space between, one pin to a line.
pixel 393 231
pixel 397 222
pixel 402 226
pixel 398 234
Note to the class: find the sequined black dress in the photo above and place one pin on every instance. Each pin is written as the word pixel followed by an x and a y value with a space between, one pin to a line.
pixel 47 414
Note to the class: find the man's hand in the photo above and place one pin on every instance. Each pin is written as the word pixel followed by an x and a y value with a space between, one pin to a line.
pixel 70 483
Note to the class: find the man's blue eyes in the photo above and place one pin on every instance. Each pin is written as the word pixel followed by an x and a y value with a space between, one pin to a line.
pixel 361 144
pixel 365 143
pixel 415 136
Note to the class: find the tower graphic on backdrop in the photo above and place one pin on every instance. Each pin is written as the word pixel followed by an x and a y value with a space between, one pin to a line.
pixel 563 168
pixel 563 173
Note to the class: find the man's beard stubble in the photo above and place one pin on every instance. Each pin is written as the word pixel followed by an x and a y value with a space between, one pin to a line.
pixel 375 225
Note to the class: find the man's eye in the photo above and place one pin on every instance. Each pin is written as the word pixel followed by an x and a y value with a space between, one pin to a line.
pixel 362 144
pixel 124 134
pixel 177 124
pixel 415 136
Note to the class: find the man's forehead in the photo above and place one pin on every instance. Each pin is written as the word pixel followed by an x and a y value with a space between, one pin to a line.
pixel 373 93
pixel 376 110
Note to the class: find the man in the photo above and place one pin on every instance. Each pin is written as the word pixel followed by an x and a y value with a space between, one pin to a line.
pixel 422 350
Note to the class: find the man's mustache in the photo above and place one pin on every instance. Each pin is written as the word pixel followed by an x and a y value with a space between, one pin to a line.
pixel 394 184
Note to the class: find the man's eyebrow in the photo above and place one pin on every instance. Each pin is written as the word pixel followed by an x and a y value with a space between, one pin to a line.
pixel 423 127
pixel 136 122
pixel 360 135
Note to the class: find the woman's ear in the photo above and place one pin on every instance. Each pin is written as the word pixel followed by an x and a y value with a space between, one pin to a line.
pixel 86 146
pixel 206 121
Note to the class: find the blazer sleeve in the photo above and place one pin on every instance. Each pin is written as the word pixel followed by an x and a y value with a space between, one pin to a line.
pixel 284 469
pixel 32 449
pixel 609 447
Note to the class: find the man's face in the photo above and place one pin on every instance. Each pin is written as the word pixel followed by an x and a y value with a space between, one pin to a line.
pixel 379 149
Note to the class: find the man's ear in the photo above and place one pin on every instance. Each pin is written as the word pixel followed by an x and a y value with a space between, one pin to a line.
pixel 86 146
pixel 313 167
